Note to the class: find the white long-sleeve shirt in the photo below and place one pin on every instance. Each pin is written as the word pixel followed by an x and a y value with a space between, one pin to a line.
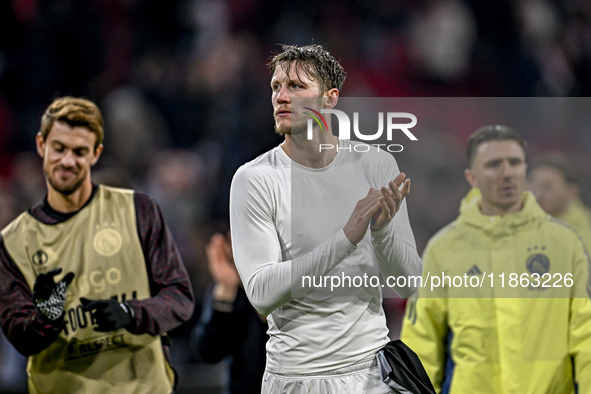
pixel 287 224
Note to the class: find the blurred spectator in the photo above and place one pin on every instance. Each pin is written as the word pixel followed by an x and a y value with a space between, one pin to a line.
pixel 229 325
pixel 442 39
pixel 27 180
pixel 12 363
pixel 179 180
pixel 112 176
pixel 8 204
pixel 555 182
pixel 139 131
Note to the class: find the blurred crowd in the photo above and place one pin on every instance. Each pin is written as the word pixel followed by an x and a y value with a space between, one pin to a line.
pixel 185 95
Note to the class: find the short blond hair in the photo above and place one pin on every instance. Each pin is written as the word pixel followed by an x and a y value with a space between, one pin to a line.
pixel 75 112
pixel 316 63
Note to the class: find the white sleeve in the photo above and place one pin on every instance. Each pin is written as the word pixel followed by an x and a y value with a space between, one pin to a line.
pixel 394 245
pixel 257 249
pixel 396 252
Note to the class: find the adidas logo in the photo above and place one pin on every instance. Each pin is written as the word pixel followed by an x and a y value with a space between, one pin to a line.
pixel 474 270
pixel 323 193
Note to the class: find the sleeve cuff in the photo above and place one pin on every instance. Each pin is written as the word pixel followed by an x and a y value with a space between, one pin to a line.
pixel 343 241
pixel 381 233
pixel 44 325
pixel 135 317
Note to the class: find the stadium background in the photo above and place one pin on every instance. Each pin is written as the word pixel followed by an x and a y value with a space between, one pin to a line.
pixel 185 96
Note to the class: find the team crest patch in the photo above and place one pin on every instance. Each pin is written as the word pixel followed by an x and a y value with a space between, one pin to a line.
pixel 538 264
pixel 107 242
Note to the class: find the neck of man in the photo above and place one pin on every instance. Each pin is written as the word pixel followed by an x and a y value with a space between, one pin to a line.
pixel 489 209
pixel 318 152
pixel 68 203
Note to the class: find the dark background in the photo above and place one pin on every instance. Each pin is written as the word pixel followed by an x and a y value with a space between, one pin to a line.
pixel 185 94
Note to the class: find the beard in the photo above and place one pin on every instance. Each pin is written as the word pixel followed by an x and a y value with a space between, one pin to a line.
pixel 282 130
pixel 295 129
pixel 67 188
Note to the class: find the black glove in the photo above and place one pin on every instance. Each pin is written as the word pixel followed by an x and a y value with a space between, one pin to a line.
pixel 110 315
pixel 48 296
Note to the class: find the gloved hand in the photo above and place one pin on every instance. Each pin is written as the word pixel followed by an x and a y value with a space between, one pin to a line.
pixel 48 296
pixel 110 315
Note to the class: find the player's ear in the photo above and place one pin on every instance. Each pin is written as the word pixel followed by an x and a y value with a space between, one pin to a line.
pixel 332 98
pixel 97 154
pixel 40 144
pixel 469 174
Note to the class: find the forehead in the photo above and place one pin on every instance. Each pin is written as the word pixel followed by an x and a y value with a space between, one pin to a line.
pixel 70 136
pixel 296 72
pixel 547 173
pixel 498 149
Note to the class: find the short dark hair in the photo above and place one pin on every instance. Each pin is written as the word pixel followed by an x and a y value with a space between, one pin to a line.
pixel 558 161
pixel 491 133
pixel 317 63
pixel 75 112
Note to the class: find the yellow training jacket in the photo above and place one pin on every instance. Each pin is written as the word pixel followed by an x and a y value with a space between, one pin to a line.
pixel 512 333
pixel 579 217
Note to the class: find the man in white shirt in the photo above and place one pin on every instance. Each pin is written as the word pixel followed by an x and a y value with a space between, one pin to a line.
pixel 299 218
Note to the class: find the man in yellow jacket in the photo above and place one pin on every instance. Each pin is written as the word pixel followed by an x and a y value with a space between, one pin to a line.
pixel 555 183
pixel 518 320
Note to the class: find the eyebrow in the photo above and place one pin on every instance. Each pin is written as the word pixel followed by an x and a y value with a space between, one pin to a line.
pixel 71 147
pixel 510 158
pixel 298 81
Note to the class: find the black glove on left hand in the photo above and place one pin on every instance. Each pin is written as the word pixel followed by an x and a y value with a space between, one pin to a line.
pixel 110 315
